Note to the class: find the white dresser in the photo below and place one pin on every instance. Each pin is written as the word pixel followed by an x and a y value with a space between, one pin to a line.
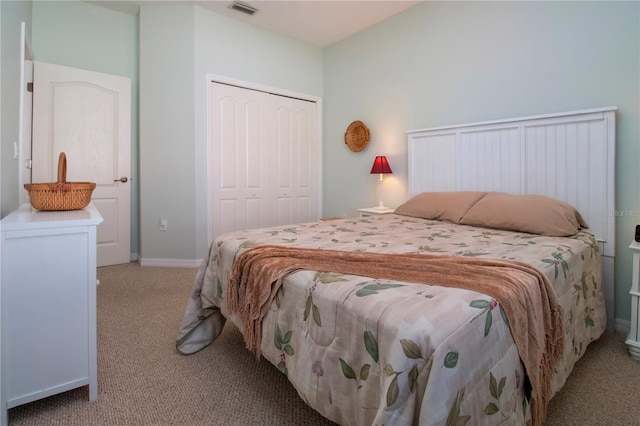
pixel 48 285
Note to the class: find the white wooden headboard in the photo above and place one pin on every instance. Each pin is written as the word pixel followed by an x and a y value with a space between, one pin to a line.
pixel 568 156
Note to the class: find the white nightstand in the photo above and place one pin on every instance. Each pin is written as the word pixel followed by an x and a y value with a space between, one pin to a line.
pixel 633 339
pixel 375 211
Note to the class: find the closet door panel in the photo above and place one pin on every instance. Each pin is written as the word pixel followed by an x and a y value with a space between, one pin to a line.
pixel 306 155
pixel 226 216
pixel 284 211
pixel 306 210
pixel 257 119
pixel 284 144
pixel 283 162
pixel 252 121
pixel 227 171
pixel 255 214
pixel 297 158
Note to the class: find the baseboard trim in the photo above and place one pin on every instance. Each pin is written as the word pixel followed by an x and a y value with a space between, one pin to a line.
pixel 170 263
pixel 622 325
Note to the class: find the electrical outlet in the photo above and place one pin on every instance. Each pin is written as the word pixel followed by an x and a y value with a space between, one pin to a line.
pixel 344 215
pixel 163 223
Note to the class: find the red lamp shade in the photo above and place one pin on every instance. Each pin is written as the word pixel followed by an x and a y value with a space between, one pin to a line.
pixel 381 165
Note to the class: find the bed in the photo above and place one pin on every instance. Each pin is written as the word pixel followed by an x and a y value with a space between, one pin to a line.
pixel 372 349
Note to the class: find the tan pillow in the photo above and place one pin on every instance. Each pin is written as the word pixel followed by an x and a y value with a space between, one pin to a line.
pixel 534 214
pixel 448 206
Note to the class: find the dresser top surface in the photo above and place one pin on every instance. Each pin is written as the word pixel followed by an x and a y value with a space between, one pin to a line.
pixel 26 217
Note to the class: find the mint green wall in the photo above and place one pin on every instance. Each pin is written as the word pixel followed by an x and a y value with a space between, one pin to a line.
pixel 235 49
pixel 12 14
pixel 167 131
pixel 81 35
pixel 442 63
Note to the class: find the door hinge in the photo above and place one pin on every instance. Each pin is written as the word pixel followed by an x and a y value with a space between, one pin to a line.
pixel 30 87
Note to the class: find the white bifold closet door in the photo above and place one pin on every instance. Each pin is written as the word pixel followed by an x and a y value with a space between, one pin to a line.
pixel 264 159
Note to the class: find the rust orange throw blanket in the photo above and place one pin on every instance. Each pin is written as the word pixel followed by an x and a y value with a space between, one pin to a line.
pixel 529 301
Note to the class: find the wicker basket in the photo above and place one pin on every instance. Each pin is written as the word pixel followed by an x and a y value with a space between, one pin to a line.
pixel 60 195
pixel 357 136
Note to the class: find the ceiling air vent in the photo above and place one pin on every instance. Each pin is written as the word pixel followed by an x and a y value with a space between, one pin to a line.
pixel 243 7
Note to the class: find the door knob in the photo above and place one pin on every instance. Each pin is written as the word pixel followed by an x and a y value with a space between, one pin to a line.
pixel 123 179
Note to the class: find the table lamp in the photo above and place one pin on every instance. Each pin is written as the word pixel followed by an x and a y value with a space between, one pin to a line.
pixel 381 166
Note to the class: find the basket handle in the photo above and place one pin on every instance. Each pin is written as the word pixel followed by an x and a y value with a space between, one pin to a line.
pixel 62 168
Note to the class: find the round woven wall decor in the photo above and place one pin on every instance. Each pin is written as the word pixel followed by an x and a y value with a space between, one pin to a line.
pixel 357 136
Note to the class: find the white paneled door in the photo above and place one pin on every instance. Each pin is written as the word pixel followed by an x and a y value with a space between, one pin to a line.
pixel 88 116
pixel 264 159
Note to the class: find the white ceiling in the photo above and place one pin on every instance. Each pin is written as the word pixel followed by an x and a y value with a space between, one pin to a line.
pixel 317 22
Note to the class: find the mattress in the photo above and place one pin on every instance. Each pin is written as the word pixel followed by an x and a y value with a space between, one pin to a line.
pixel 363 350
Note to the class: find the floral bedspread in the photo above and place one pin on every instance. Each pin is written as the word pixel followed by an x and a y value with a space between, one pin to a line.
pixel 366 351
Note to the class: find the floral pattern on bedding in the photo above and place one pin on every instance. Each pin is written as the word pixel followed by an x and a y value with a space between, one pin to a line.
pixel 362 350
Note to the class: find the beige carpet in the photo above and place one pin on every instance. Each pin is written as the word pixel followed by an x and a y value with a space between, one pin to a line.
pixel 144 381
